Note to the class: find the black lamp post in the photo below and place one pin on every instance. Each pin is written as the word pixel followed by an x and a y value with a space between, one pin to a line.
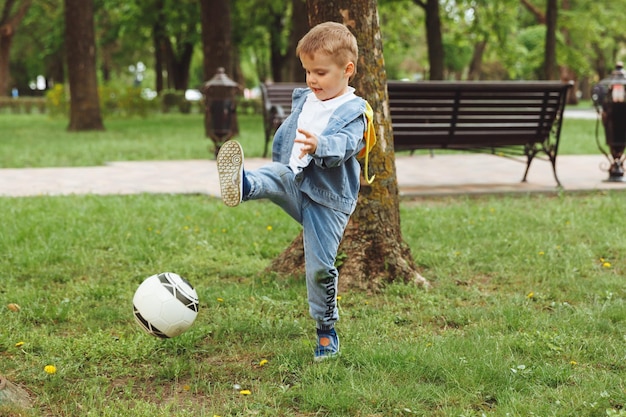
pixel 609 98
pixel 220 119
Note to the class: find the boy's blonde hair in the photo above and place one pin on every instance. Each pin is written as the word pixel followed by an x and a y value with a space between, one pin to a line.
pixel 332 39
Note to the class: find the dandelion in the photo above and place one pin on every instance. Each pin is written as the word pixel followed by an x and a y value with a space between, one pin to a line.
pixel 606 264
pixel 541 253
pixel 220 300
pixel 530 295
pixel 263 362
pixel 50 369
pixel 573 363
pixel 338 298
pixel 19 344
pixel 245 392
pixel 269 228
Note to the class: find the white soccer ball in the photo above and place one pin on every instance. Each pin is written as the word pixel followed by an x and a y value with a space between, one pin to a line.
pixel 165 305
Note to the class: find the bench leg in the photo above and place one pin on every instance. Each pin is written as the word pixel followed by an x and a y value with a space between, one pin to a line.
pixel 530 154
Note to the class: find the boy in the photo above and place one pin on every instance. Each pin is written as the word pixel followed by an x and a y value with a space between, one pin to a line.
pixel 314 175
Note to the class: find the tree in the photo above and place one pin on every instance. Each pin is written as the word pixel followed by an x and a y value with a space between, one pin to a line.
pixel 299 27
pixel 550 66
pixel 10 19
pixel 373 251
pixel 433 38
pixel 216 37
pixel 81 64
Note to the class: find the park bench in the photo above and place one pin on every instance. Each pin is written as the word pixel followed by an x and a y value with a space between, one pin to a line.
pixel 503 118
pixel 276 107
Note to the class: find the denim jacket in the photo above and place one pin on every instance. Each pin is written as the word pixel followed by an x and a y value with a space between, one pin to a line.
pixel 332 179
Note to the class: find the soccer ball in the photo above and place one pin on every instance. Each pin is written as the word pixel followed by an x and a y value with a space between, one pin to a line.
pixel 165 305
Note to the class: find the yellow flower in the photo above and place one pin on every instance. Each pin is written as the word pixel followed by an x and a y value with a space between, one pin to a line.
pixel 541 253
pixel 269 228
pixel 245 392
pixel 50 369
pixel 220 300
pixel 606 264
pixel 263 362
pixel 573 363
pixel 19 344
pixel 186 387
pixel 338 298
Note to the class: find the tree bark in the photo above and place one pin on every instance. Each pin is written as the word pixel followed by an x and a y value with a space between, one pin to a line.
pixel 299 27
pixel 81 63
pixel 8 27
pixel 434 38
pixel 475 68
pixel 372 252
pixel 550 68
pixel 216 37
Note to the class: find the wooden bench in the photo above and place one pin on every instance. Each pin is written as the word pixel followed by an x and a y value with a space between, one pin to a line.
pixel 276 107
pixel 503 118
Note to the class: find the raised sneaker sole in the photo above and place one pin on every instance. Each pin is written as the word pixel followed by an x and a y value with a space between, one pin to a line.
pixel 230 171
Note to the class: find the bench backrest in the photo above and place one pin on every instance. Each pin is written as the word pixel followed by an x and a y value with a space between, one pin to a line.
pixel 441 114
pixel 277 99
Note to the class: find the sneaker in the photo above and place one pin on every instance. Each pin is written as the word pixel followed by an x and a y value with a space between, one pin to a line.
pixel 327 345
pixel 230 171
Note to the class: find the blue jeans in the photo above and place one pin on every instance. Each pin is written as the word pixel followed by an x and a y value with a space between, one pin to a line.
pixel 323 229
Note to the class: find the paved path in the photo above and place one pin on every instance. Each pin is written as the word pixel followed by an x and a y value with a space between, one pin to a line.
pixel 419 175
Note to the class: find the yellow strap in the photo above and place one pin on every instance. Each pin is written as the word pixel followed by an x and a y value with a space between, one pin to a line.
pixel 370 141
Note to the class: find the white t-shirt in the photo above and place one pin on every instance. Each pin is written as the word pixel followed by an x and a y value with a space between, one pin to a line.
pixel 314 118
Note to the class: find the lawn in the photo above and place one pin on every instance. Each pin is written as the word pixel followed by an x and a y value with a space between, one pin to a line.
pixel 526 314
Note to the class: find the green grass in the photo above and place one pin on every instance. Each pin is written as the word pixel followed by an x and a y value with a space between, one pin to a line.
pixel 39 141
pixel 526 315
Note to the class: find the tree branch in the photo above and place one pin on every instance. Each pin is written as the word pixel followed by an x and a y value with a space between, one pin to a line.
pixel 420 3
pixel 539 15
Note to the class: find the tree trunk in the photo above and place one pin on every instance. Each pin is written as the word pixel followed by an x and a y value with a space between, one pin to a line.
pixel 8 26
pixel 550 69
pixel 178 64
pixel 216 37
pixel 372 252
pixel 81 64
pixel 475 67
pixel 434 38
pixel 299 27
pixel 277 57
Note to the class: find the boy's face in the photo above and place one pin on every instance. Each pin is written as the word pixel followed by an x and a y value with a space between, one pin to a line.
pixel 324 77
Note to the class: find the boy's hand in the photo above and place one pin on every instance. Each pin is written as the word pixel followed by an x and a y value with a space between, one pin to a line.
pixel 309 142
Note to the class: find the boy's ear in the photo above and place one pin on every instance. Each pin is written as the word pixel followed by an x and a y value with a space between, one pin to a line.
pixel 350 69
